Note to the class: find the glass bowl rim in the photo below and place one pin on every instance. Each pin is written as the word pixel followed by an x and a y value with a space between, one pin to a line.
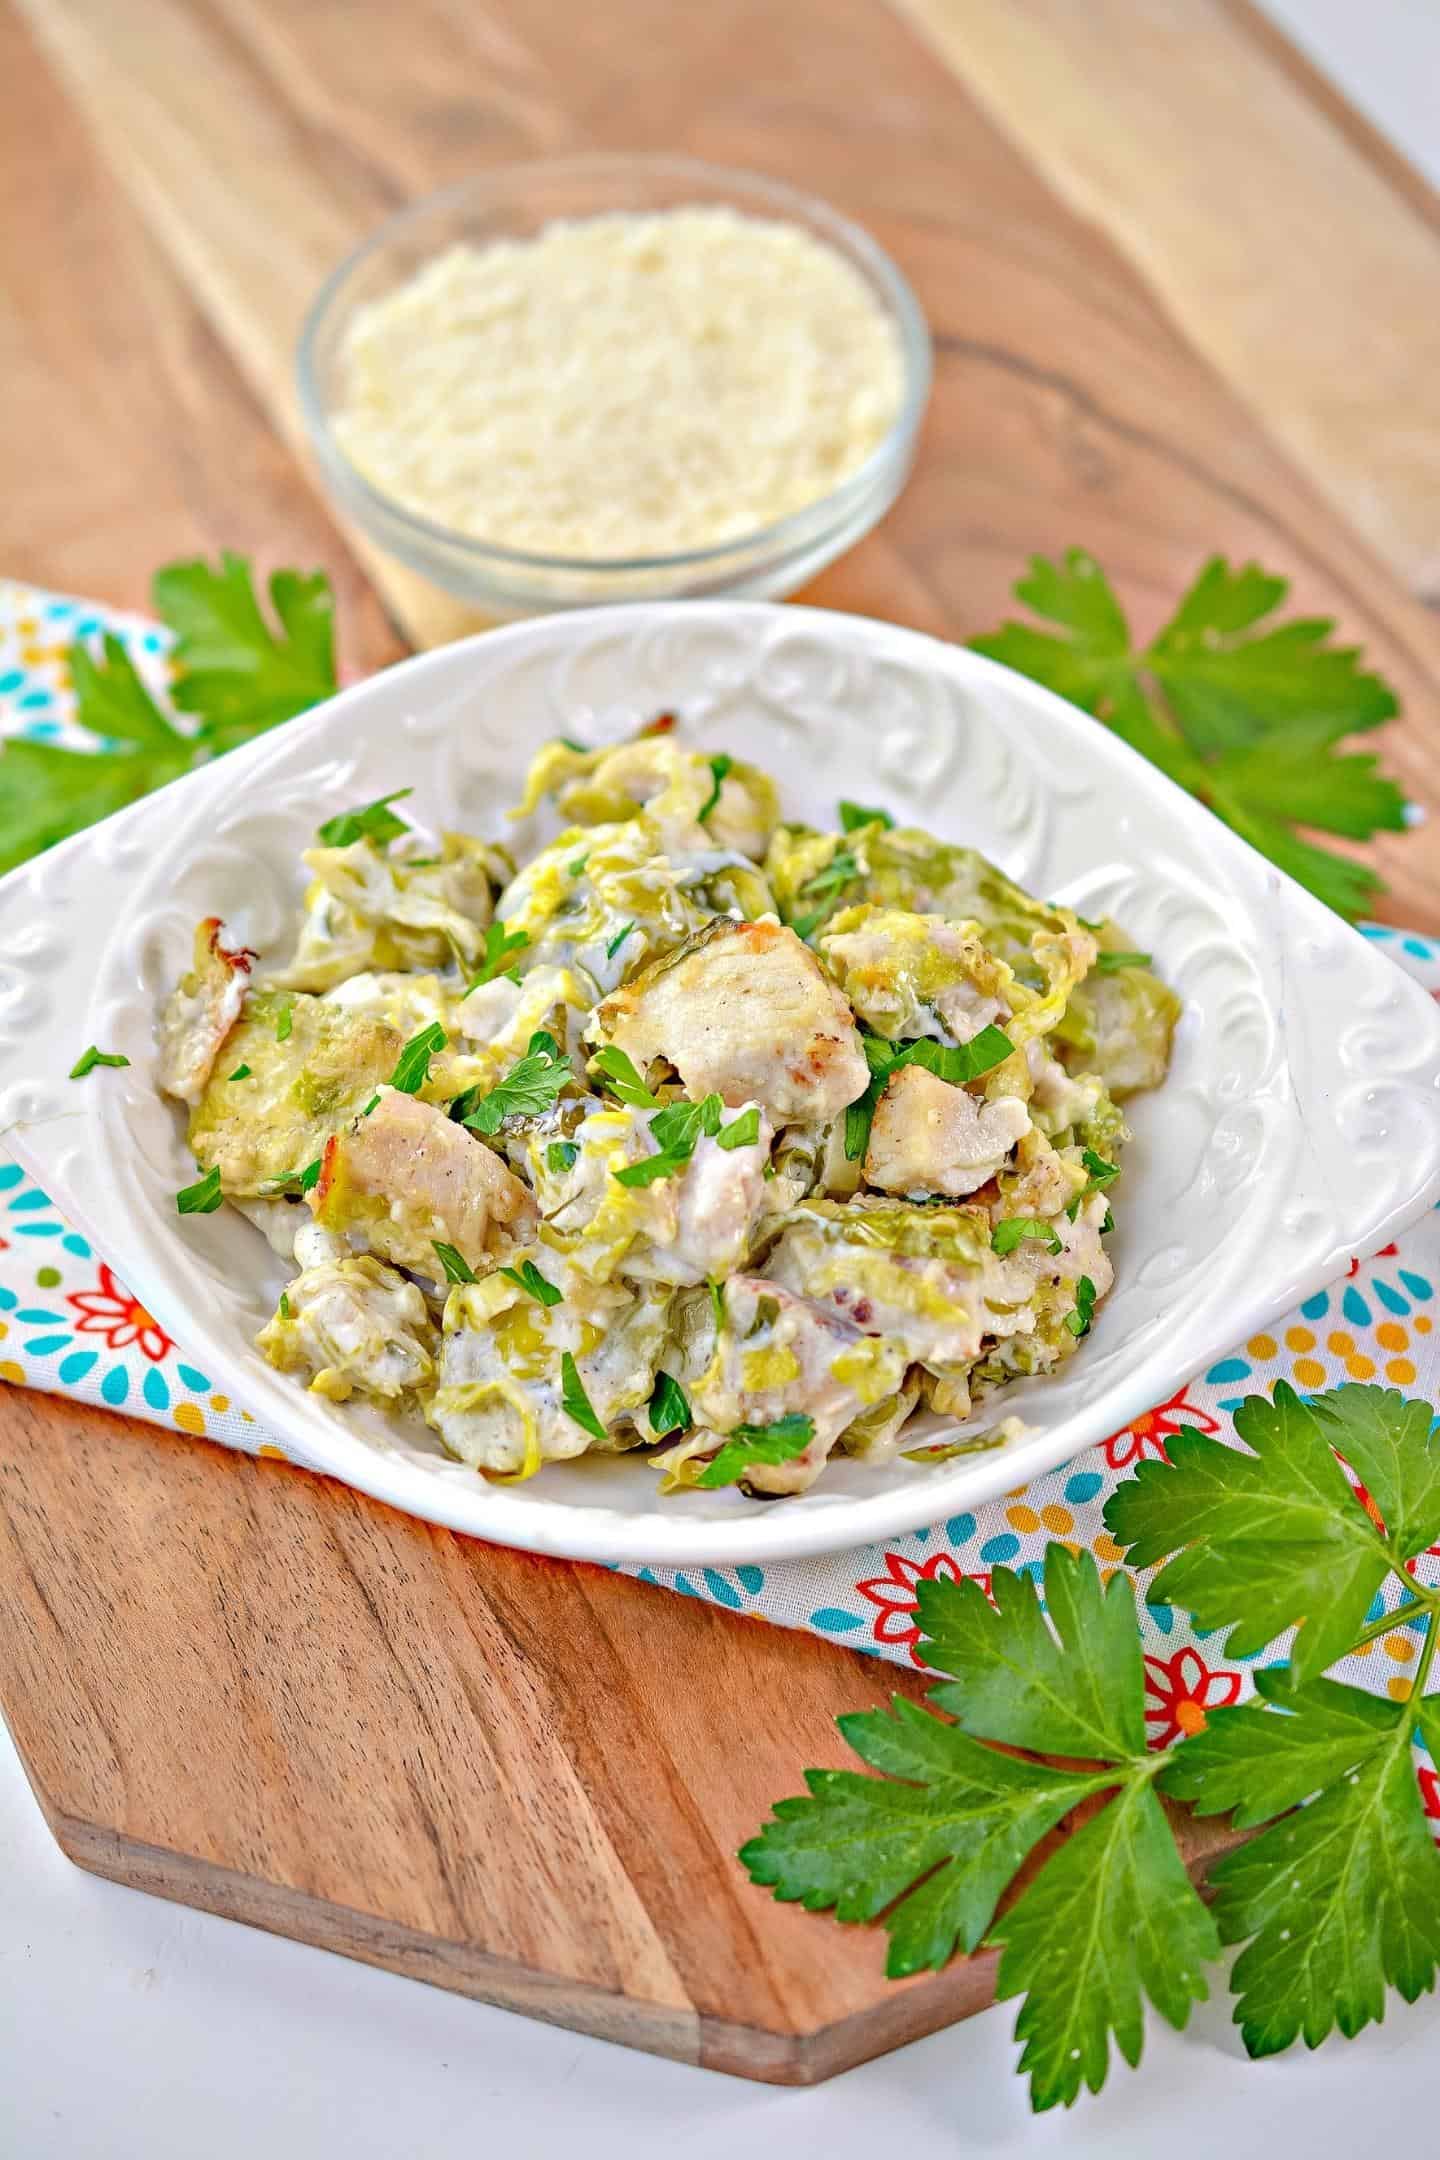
pixel 849 239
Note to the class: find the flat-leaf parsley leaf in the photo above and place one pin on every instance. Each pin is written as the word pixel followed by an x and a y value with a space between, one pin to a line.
pixel 1245 714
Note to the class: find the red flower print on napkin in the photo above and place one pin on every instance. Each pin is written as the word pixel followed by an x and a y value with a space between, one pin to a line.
pixel 1179 1691
pixel 1147 1435
pixel 109 1310
pixel 896 1595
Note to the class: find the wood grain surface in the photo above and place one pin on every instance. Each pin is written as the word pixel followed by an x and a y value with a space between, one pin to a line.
pixel 1183 302
pixel 1124 340
pixel 261 1693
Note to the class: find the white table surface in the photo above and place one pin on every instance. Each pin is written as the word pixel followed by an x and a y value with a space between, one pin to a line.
pixel 135 2030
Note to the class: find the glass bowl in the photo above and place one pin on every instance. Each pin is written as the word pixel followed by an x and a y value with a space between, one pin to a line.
pixel 514 202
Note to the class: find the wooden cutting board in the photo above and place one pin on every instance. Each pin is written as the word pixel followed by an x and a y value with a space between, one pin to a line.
pixel 255 1691
pixel 1183 301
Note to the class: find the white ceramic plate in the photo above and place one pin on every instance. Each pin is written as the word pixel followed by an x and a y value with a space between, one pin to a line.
pixel 1300 1124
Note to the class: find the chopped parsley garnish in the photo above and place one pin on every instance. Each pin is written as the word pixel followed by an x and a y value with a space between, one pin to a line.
pixel 1110 963
pixel 1009 1233
pixel 284 1306
pixel 679 1125
pixel 560 1156
pixel 619 939
pixel 654 1167
pixel 418 862
pixel 412 1067
pixel 855 814
pixel 568 742
pixel 528 1277
pixel 669 1407
pixel 577 866
pixel 717 1299
pixel 499 944
pixel 302 1180
pixel 376 821
pixel 960 1062
pixel 201 1198
pixel 624 1081
pixel 371 1104
pixel 781 1441
pixel 284 1019
pixel 677 1130
pixel 575 1402
pixel 241 1072
pixel 456 1267
pixel 804 924
pixel 531 1086
pixel 720 770
pixel 957 1063
pixel 1101 1173
pixel 744 1132
pixel 840 869
pixel 1078 1321
pixel 89 1059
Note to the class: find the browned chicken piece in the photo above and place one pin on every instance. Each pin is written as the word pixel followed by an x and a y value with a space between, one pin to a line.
pixel 407 1177
pixel 742 1010
pixel 930 1137
pixel 201 1011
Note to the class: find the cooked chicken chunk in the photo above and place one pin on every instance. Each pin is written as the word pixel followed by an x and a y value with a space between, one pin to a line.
pixel 201 1011
pixel 406 1177
pixel 356 1327
pixel 745 1011
pixel 930 1137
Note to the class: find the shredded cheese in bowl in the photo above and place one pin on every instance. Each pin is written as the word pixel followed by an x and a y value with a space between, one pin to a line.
pixel 622 385
pixel 611 378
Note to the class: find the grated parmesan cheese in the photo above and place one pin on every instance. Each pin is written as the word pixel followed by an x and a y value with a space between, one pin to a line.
pixel 623 385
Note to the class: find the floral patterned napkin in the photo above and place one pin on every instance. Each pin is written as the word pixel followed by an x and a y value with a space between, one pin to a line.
pixel 68 1324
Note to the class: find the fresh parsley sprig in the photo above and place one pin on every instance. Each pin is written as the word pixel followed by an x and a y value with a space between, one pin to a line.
pixel 236 671
pixel 1337 1899
pixel 1243 712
